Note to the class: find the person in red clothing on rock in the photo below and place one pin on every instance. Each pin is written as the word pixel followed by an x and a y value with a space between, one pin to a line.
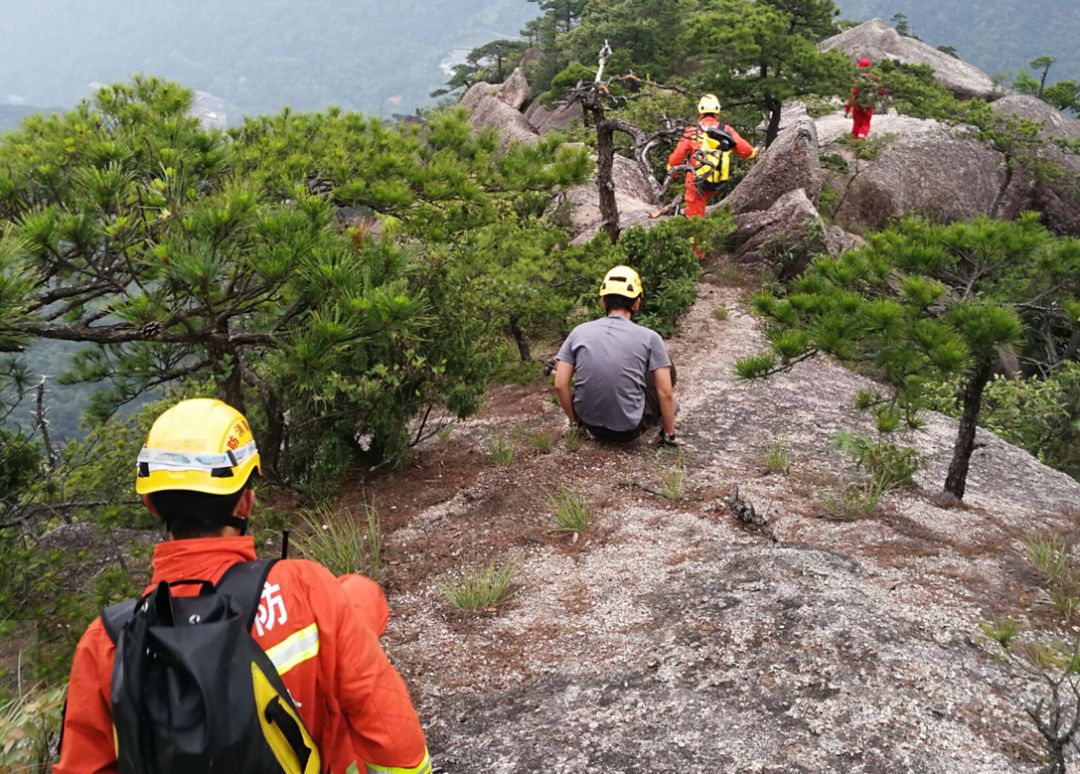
pixel 708 157
pixel 863 100
pixel 319 632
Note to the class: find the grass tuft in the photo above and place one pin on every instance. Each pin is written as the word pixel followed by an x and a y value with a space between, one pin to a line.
pixel 541 440
pixel 502 450
pixel 1049 555
pixel 1002 630
pixel 480 588
pixel 334 540
pixel 777 455
pixel 573 438
pixel 720 313
pixel 571 510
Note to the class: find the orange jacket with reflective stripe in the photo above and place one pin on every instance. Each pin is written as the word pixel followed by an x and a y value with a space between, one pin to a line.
pixel 691 142
pixel 351 699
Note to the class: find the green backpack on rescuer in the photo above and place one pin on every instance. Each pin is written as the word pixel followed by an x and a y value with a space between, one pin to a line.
pixel 712 162
pixel 192 691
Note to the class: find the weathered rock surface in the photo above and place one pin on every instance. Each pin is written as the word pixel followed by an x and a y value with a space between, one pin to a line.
pixel 944 174
pixel 514 91
pixel 668 634
pixel 1056 125
pixel 580 206
pixel 836 126
pixel 583 212
pixel 876 40
pixel 838 241
pixel 785 237
pixel 488 110
pixel 790 164
pixel 544 120
pixel 1057 173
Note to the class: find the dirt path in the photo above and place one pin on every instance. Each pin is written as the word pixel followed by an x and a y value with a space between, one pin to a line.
pixel 670 636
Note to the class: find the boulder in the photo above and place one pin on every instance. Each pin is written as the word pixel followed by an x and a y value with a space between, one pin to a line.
pixel 579 207
pixel 943 174
pixel 475 93
pixel 790 164
pixel 487 110
pixel 544 120
pixel 1056 125
pixel 838 241
pixel 630 180
pixel 876 41
pixel 784 237
pixel 1057 189
pixel 836 126
pixel 1057 179
pixel 532 54
pixel 514 91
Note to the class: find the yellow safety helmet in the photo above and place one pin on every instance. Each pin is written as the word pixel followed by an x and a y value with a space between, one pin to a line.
pixel 621 281
pixel 199 445
pixel 708 104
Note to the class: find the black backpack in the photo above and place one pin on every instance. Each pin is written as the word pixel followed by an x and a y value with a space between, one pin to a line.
pixel 193 692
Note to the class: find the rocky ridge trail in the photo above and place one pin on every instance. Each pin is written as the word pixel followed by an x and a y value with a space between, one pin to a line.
pixel 669 635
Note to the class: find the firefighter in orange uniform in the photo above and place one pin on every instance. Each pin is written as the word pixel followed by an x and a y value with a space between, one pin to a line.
pixel 689 151
pixel 320 632
pixel 863 100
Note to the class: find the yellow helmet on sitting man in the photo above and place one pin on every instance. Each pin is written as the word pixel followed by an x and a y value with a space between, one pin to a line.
pixel 199 445
pixel 708 104
pixel 621 281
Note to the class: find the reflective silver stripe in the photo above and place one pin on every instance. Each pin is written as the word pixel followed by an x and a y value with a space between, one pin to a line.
pixel 163 459
pixel 295 649
pixel 423 768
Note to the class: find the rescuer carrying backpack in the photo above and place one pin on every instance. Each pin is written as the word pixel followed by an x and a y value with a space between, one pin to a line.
pixel 707 147
pixel 228 664
pixel 193 691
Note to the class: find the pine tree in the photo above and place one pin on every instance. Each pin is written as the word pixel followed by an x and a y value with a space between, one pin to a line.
pixel 923 303
pixel 178 252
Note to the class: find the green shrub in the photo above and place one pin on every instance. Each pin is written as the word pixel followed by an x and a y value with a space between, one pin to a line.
pixel 1040 415
pixel 889 466
pixel 667 264
pixel 30 729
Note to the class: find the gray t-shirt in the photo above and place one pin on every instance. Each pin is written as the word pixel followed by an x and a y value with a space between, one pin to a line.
pixel 611 357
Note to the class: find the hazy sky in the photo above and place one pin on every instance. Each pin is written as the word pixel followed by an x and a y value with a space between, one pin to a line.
pixel 383 57
pixel 256 54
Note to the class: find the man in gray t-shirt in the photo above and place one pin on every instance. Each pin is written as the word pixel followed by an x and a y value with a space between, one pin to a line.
pixel 624 379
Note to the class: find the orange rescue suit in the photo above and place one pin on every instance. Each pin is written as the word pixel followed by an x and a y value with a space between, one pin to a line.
pixel 351 699
pixel 690 144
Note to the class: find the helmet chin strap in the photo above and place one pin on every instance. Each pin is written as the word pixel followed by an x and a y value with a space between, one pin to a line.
pixel 236 523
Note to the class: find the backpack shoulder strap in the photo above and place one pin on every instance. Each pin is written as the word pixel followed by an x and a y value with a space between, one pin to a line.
pixel 244 583
pixel 116 617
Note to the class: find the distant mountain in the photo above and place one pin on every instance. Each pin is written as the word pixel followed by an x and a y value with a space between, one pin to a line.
pixel 11 115
pixel 996 35
pixel 254 55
